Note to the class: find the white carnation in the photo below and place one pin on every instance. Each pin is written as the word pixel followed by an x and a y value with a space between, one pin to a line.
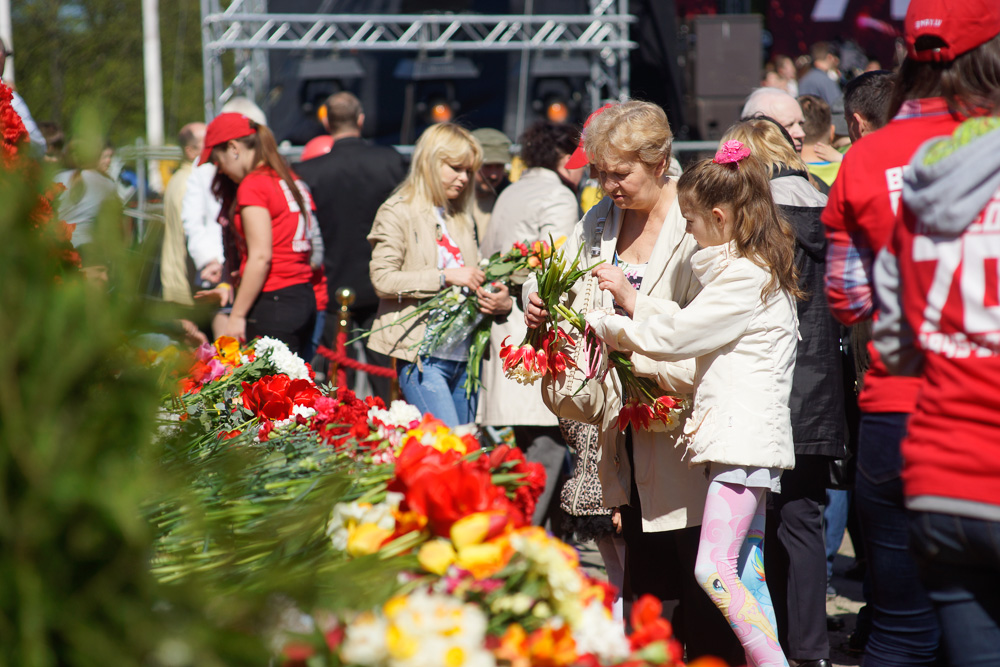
pixel 399 415
pixel 302 411
pixel 281 358
pixel 364 641
pixel 598 633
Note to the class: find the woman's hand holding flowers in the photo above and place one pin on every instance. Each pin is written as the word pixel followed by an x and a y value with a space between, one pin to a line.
pixel 535 314
pixel 494 299
pixel 465 276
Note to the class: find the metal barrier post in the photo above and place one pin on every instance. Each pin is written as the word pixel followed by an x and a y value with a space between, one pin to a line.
pixel 345 297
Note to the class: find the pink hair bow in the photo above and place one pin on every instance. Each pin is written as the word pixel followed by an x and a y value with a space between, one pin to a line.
pixel 732 152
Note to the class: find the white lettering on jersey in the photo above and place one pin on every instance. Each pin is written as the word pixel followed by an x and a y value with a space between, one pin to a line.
pixel 894 184
pixel 301 241
pixel 974 260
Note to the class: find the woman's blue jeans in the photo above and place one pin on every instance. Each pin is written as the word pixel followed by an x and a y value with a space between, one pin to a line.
pixel 437 389
pixel 959 559
pixel 905 630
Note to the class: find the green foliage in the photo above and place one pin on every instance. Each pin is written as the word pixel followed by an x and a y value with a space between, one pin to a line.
pixel 88 53
pixel 76 463
pixel 252 521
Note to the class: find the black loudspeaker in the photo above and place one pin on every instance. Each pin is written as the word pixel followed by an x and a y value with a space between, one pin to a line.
pixel 724 61
pixel 716 114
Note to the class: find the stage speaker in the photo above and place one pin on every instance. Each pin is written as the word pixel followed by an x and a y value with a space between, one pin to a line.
pixel 716 114
pixel 724 58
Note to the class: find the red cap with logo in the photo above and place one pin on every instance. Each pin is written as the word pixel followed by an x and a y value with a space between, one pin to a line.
pixel 579 157
pixel 957 26
pixel 226 126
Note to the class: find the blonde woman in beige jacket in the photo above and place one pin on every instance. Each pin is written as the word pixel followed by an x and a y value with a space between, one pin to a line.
pixel 423 242
pixel 638 227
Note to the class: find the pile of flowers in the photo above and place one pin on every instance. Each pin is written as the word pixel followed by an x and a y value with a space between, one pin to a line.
pixel 473 583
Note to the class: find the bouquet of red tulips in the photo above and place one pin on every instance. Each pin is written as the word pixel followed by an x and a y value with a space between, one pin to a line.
pixel 647 406
pixel 544 350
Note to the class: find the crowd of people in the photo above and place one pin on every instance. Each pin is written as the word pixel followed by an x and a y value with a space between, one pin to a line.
pixel 823 290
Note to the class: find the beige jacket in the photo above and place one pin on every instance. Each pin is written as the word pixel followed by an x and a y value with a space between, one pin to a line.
pixel 745 352
pixel 174 254
pixel 531 209
pixel 671 493
pixel 404 270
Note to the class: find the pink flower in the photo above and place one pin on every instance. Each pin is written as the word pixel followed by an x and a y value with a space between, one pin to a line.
pixel 215 370
pixel 204 352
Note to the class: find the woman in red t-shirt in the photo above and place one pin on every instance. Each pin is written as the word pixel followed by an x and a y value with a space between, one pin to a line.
pixel 271 215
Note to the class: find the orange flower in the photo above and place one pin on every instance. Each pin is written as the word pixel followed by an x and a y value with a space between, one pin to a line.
pixel 228 349
pixel 708 661
pixel 552 648
pixel 485 560
pixel 513 647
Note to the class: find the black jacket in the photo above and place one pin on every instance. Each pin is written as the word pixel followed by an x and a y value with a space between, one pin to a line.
pixel 817 402
pixel 348 184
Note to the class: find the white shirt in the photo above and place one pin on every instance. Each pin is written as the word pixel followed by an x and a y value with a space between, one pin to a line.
pixel 200 216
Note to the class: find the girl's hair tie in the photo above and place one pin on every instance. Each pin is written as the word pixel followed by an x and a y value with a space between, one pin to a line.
pixel 732 152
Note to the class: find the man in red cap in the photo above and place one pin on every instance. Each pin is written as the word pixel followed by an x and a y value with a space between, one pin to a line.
pixel 942 38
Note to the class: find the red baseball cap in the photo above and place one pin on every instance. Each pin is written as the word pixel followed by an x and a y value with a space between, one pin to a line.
pixel 226 126
pixel 961 25
pixel 579 157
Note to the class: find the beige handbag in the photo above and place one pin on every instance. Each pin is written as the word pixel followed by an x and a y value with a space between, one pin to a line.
pixel 572 395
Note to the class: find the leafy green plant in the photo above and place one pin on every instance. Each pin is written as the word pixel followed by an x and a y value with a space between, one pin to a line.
pixel 77 461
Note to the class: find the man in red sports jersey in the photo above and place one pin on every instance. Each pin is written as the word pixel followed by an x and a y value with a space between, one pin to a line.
pixel 939 286
pixel 942 37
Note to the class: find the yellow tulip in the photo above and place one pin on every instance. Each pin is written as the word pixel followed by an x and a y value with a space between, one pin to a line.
pixel 436 556
pixel 366 539
pixel 484 560
pixel 478 527
pixel 228 349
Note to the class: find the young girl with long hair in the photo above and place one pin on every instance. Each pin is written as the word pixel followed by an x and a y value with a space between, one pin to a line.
pixel 741 330
pixel 269 220
pixel 423 241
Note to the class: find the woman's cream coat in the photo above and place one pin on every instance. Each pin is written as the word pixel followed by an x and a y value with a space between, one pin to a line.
pixel 404 270
pixel 536 206
pixel 672 494
pixel 745 353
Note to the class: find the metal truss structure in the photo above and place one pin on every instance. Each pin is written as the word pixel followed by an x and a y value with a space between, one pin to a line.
pixel 249 31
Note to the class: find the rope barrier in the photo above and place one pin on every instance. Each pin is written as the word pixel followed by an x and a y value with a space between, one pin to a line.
pixel 341 359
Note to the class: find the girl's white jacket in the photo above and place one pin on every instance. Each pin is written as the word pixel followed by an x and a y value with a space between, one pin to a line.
pixel 744 351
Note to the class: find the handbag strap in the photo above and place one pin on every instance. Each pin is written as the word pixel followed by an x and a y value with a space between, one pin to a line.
pixel 589 293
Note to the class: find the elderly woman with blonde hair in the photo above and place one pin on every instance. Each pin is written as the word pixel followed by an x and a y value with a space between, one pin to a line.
pixel 796 559
pixel 636 237
pixel 423 242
